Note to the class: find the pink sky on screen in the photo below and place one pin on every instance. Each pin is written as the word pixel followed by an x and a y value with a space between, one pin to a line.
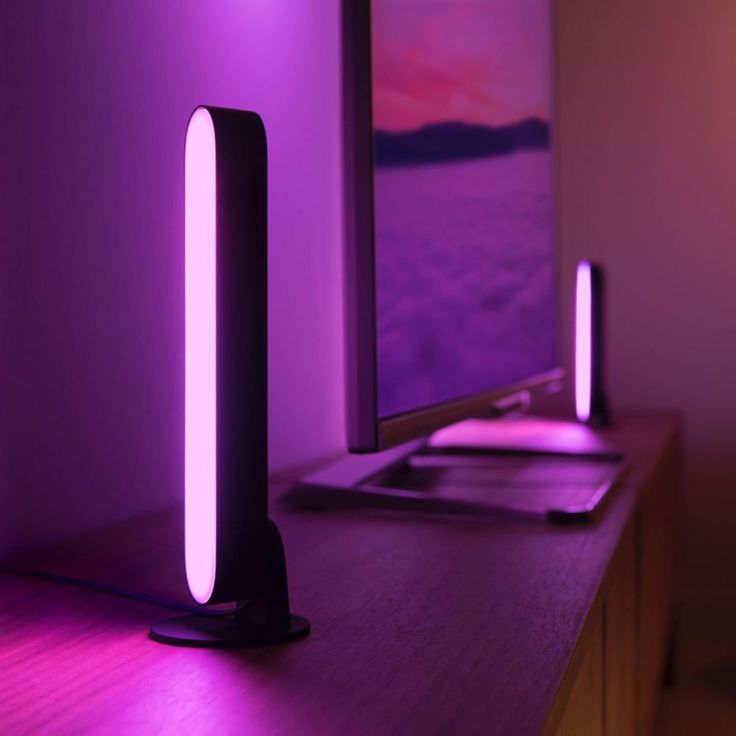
pixel 479 61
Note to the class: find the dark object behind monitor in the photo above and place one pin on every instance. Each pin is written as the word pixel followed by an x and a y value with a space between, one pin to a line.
pixel 599 407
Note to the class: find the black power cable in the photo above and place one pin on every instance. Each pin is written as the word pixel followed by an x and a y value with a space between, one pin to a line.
pixel 122 592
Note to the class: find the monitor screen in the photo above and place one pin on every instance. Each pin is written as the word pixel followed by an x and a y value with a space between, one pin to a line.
pixel 463 198
pixel 461 183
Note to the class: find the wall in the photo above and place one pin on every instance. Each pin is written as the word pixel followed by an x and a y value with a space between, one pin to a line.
pixel 647 124
pixel 96 96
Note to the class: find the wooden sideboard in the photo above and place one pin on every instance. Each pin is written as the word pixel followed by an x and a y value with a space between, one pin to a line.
pixel 613 681
pixel 419 625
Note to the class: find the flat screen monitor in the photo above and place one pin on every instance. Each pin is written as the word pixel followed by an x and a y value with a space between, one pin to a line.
pixel 451 265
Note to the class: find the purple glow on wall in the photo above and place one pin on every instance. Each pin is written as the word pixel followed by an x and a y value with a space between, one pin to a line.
pixel 200 407
pixel 92 276
pixel 583 341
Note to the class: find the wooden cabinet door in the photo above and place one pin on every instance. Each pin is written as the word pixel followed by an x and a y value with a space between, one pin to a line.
pixel 656 565
pixel 619 624
pixel 601 691
pixel 582 714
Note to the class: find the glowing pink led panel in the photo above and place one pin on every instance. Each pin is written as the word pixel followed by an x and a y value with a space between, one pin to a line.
pixel 200 409
pixel 583 341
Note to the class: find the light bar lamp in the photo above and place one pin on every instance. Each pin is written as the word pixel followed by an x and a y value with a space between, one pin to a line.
pixel 591 405
pixel 233 552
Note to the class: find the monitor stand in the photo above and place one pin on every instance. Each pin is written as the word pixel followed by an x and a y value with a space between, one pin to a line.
pixel 519 465
pixel 521 433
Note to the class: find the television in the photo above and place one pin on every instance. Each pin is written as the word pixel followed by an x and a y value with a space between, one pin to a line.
pixel 450 248
pixel 451 268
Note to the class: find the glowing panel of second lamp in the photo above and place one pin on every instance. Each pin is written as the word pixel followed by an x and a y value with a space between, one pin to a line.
pixel 583 341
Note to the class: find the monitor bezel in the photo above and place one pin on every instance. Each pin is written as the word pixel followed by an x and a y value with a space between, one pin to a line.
pixel 366 431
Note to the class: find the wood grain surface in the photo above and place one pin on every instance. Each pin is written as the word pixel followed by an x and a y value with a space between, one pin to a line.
pixel 419 625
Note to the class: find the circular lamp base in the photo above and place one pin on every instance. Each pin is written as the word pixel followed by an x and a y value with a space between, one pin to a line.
pixel 224 631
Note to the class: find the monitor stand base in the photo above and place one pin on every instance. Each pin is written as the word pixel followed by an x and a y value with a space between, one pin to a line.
pixel 519 466
pixel 265 619
pixel 525 435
